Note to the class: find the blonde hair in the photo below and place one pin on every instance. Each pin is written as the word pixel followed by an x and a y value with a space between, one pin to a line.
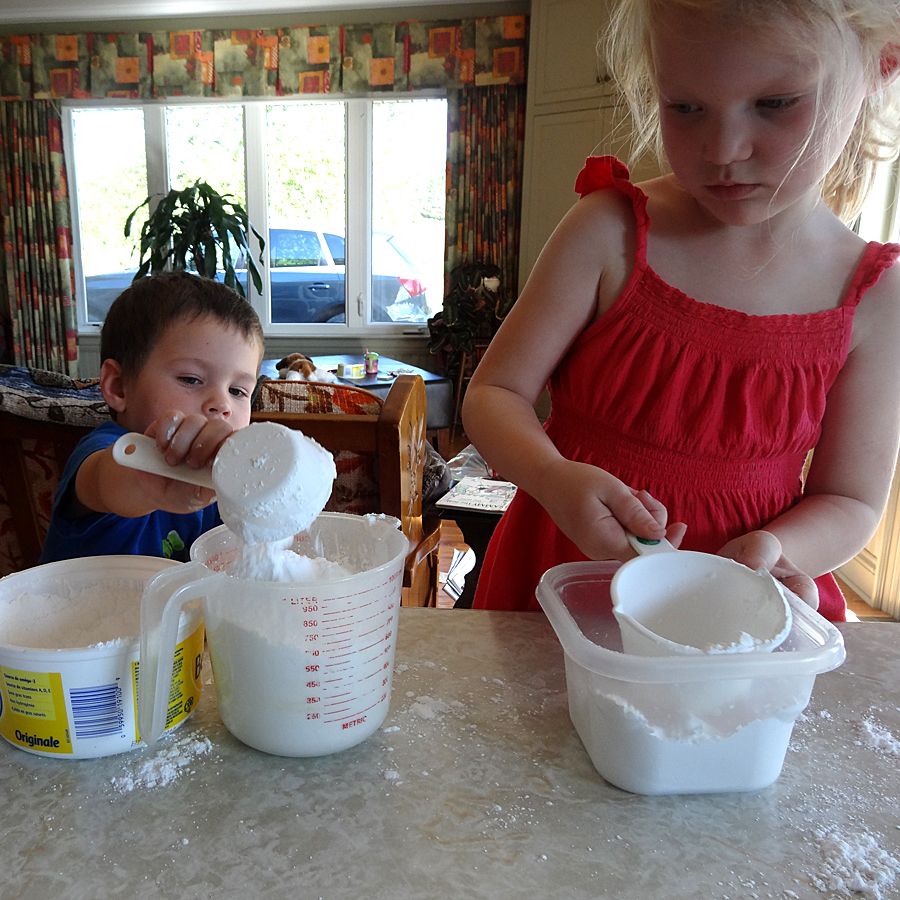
pixel 874 26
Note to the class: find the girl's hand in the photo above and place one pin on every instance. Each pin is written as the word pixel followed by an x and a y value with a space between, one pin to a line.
pixel 762 550
pixel 594 510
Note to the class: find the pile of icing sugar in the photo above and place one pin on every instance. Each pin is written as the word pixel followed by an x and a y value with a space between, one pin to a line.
pixel 277 561
pixel 161 764
pixel 854 864
pixel 74 615
pixel 271 482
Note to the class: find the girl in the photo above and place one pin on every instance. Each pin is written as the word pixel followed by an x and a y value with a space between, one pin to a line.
pixel 693 327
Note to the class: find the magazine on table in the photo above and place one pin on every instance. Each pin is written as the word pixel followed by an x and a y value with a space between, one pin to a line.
pixel 480 494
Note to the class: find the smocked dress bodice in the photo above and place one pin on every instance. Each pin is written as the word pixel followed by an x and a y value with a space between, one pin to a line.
pixel 711 410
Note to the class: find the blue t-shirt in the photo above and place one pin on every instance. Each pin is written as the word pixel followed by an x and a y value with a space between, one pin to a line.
pixel 165 534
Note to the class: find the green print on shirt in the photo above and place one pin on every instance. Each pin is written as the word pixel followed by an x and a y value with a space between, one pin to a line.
pixel 172 543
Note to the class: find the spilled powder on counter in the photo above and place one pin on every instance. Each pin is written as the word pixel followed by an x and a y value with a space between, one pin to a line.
pixel 854 864
pixel 876 736
pixel 159 767
pixel 428 707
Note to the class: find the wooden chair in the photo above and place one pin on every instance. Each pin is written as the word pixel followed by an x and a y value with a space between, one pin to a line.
pixel 378 449
pixel 379 452
pixel 42 416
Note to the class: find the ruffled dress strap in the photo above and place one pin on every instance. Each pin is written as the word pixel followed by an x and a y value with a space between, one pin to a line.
pixel 876 259
pixel 605 172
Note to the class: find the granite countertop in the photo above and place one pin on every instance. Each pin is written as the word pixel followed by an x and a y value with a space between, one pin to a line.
pixel 475 786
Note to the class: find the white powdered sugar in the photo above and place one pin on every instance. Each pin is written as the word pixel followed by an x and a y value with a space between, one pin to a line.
pixel 278 561
pixel 162 764
pixel 271 481
pixel 73 615
pixel 854 864
pixel 876 736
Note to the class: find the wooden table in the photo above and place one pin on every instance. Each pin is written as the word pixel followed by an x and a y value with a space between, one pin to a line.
pixel 476 786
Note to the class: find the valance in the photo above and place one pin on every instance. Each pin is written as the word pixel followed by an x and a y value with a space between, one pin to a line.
pixel 273 62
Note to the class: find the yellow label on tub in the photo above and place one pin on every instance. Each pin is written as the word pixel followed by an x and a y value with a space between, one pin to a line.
pixel 33 710
pixel 184 693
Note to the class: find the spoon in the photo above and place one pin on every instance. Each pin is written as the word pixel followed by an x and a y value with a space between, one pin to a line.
pixel 270 481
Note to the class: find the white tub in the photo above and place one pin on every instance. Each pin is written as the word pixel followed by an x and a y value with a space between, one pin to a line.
pixel 680 724
pixel 69 649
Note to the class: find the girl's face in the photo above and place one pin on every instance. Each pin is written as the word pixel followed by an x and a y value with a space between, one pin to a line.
pixel 743 112
pixel 197 366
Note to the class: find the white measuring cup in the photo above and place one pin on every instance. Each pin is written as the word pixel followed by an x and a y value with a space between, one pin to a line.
pixel 270 481
pixel 300 669
pixel 677 602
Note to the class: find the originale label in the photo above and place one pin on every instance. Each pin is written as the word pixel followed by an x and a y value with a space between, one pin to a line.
pixel 40 712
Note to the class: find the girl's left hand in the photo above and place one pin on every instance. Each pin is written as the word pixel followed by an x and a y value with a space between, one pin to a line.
pixel 762 550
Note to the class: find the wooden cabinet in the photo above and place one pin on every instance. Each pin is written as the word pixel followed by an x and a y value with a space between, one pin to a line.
pixel 571 114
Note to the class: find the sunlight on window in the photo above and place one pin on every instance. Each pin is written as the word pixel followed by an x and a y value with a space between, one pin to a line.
pixel 111 180
pixel 206 142
pixel 408 199
pixel 307 202
pixel 111 176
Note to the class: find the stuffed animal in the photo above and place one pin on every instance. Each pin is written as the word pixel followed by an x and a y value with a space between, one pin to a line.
pixel 295 367
pixel 299 367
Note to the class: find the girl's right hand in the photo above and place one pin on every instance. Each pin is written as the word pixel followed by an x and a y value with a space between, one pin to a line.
pixel 594 510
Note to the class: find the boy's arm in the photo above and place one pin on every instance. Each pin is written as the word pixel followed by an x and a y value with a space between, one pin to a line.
pixel 103 486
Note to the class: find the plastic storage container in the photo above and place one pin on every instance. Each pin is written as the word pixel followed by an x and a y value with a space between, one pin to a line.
pixel 69 648
pixel 680 724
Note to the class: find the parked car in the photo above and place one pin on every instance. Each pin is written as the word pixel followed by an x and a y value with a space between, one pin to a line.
pixel 307 272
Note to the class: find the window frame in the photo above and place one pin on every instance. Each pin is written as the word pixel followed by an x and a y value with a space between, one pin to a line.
pixel 358 191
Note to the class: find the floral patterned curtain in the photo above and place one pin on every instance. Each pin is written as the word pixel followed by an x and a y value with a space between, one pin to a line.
pixel 479 62
pixel 36 297
pixel 485 145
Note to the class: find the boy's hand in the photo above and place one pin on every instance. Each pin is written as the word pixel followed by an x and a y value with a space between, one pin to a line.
pixel 191 439
pixel 594 510
pixel 762 550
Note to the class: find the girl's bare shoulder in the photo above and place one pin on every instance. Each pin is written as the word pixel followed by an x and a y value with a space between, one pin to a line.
pixel 876 324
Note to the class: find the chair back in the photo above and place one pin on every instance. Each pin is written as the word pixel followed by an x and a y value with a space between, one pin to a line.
pixel 43 415
pixel 378 447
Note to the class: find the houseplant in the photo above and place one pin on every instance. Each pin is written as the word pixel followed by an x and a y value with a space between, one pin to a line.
pixel 197 229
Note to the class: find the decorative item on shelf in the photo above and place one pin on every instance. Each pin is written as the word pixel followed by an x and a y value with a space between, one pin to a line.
pixel 473 310
pixel 197 229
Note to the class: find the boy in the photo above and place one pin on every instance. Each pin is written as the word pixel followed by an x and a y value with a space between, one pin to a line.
pixel 179 361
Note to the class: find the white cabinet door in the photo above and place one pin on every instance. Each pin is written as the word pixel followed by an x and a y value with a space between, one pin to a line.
pixel 564 63
pixel 557 146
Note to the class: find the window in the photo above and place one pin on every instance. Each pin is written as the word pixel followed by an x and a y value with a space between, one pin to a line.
pixel 348 193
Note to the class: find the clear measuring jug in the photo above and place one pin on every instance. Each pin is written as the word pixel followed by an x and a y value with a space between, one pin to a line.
pixel 300 669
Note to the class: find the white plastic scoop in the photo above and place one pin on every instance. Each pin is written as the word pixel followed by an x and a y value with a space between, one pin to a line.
pixel 681 602
pixel 270 481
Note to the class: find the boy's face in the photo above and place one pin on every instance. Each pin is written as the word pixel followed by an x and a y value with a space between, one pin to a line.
pixel 198 365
